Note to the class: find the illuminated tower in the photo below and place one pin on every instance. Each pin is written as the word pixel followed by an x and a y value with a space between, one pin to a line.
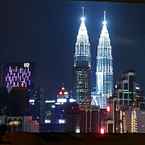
pixel 82 63
pixel 104 68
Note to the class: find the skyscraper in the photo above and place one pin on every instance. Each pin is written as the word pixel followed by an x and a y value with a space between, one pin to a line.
pixel 104 68
pixel 17 75
pixel 128 91
pixel 82 63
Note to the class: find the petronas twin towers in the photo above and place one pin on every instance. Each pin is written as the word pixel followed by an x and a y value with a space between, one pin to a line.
pixel 82 66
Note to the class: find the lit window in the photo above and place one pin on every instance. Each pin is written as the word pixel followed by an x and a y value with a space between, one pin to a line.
pixel 47 121
pixel 61 121
pixel 49 101
pixel 72 100
pixel 61 100
pixel 53 106
pixel 32 101
pixel 65 93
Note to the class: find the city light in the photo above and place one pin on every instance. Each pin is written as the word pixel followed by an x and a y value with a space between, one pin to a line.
pixel 102 130
pixel 26 64
pixel 104 22
pixel 47 121
pixel 60 93
pixel 77 130
pixel 137 88
pixel 53 106
pixel 83 18
pixel 65 93
pixel 58 103
pixel 72 100
pixel 108 109
pixel 32 101
pixel 62 100
pixel 61 121
pixel 16 123
pixel 49 101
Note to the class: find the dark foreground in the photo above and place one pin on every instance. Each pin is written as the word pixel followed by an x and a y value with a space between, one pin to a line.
pixel 70 139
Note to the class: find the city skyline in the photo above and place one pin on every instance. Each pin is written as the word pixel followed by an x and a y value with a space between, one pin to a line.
pixel 126 32
pixel 72 67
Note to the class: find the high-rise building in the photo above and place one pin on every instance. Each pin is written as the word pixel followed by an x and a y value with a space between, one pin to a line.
pixel 61 114
pixel 17 79
pixel 127 104
pixel 35 96
pixel 17 75
pixel 104 68
pixel 82 63
pixel 128 92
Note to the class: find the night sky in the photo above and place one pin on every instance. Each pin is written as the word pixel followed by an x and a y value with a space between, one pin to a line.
pixel 45 32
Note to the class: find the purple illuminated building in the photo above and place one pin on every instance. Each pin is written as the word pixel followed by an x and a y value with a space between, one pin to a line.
pixel 17 75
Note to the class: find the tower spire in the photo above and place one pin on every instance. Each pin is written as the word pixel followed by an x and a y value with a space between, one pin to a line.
pixel 104 15
pixel 83 14
pixel 104 21
pixel 83 11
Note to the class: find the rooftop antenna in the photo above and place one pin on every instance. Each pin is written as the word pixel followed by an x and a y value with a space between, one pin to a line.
pixel 104 21
pixel 83 15
pixel 104 15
